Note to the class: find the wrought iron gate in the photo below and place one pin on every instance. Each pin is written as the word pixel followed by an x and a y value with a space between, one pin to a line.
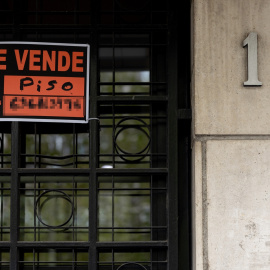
pixel 114 193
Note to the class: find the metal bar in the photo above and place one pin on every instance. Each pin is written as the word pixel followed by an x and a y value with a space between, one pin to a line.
pixel 53 171
pixel 35 145
pixel 2 149
pixel 75 202
pixel 184 114
pixel 93 150
pixel 35 197
pixel 100 171
pixel 74 147
pixel 14 196
pixel 5 171
pixel 130 244
pixel 2 208
pixel 172 55
pixel 132 171
pixel 113 208
pixel 85 27
pixel 132 99
pixel 47 244
pixel 54 157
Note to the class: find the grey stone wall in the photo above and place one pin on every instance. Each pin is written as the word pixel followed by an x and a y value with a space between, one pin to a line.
pixel 231 136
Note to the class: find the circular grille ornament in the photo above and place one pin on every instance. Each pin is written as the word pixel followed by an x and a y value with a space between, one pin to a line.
pixel 131 266
pixel 121 127
pixel 50 195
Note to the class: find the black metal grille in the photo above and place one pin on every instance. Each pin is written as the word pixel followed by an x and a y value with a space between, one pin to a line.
pixel 54 208
pixel 113 193
pixel 146 223
pixel 55 146
pixel 137 259
pixel 58 258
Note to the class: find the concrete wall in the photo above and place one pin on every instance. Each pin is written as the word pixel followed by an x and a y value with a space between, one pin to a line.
pixel 231 136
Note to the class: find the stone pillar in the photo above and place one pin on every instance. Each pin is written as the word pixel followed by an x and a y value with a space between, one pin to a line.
pixel 231 136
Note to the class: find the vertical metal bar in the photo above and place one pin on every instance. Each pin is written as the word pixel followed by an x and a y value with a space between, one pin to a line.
pixel 2 194
pixel 35 146
pixel 39 151
pixel 93 127
pixel 74 147
pixel 113 135
pixel 34 259
pixel 35 220
pixel 15 161
pixel 22 164
pixel 172 49
pixel 151 258
pixel 114 12
pixel 184 188
pixel 113 205
pixel 15 203
pixel 74 200
pixel 113 257
pixel 2 150
pixel 76 4
pixel 74 259
pixel 152 149
pixel 113 67
pixel 36 13
pixel 151 209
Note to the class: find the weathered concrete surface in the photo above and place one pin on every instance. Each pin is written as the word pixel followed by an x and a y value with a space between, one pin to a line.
pixel 221 104
pixel 197 207
pixel 231 173
pixel 238 205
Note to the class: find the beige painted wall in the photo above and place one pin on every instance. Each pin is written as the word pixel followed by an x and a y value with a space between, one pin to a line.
pixel 231 136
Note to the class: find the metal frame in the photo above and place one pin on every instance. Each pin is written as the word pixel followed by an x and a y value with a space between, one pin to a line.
pixel 166 125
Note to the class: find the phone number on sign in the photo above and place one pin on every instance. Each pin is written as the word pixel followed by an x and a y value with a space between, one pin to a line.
pixel 43 106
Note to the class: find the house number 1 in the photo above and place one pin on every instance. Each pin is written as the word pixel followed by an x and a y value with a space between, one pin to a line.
pixel 251 43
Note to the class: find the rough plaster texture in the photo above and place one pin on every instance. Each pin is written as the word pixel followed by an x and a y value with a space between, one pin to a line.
pixel 197 207
pixel 238 205
pixel 221 104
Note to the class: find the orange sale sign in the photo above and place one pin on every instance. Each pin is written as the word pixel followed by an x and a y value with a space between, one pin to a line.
pixel 46 82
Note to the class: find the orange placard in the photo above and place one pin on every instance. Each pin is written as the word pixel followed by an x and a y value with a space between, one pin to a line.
pixel 45 82
pixel 44 86
pixel 44 106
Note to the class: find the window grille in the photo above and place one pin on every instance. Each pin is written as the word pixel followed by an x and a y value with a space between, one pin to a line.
pixel 113 193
